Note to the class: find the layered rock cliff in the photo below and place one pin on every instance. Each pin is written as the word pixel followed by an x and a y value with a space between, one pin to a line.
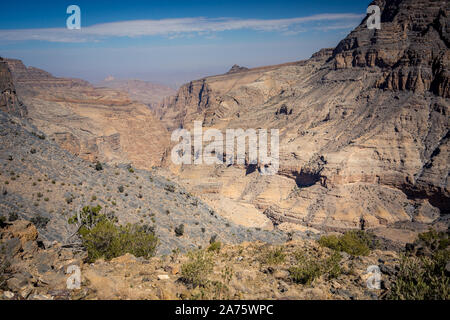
pixel 364 129
pixel 9 102
pixel 411 49
pixel 97 124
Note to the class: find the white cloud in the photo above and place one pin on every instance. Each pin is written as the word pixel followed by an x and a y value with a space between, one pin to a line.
pixel 175 28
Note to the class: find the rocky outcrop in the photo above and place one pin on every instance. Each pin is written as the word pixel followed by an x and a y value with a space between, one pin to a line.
pixel 37 272
pixel 411 48
pixel 352 142
pixel 9 101
pixel 30 77
pixel 235 68
pixel 96 124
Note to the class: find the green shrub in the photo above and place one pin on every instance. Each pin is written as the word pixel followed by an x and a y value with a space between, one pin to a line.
pixel 422 278
pixel 274 256
pixel 215 246
pixel 310 267
pixel 4 269
pixel 179 231
pixel 103 238
pixel 88 217
pixel 98 166
pixel 213 238
pixel 305 272
pixel 355 242
pixel 2 221
pixel 197 269
pixel 108 240
pixel 13 216
pixel 170 188
pixel 434 240
pixel 40 222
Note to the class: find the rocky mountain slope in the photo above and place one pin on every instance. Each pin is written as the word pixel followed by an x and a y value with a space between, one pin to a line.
pixel 92 123
pixel 146 92
pixel 238 272
pixel 41 182
pixel 364 129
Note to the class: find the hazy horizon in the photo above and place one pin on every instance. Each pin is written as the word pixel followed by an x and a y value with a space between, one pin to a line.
pixel 171 42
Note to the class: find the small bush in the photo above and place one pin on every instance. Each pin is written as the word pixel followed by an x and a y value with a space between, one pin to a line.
pixel 170 188
pixel 197 269
pixel 40 222
pixel 213 238
pixel 434 240
pixel 120 188
pixel 215 246
pixel 98 166
pixel 179 231
pixel 422 278
pixel 103 238
pixel 130 170
pixel 357 243
pixel 274 256
pixel 2 221
pixel 13 216
pixel 107 240
pixel 4 269
pixel 310 267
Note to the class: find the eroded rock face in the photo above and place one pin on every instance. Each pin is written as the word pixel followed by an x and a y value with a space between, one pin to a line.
pixel 411 48
pixel 9 101
pixel 143 91
pixel 350 146
pixel 97 124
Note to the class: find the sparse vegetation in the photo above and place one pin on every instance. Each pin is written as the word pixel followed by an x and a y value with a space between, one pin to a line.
pixel 179 231
pixel 310 267
pixel 424 277
pixel 170 188
pixel 357 243
pixel 273 256
pixel 98 166
pixel 103 238
pixel 4 269
pixel 2 221
pixel 196 270
pixel 40 221
pixel 215 246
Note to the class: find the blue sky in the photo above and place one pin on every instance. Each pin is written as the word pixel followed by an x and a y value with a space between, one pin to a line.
pixel 171 42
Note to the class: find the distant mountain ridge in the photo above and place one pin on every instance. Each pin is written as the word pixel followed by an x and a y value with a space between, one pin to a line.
pixel 143 91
